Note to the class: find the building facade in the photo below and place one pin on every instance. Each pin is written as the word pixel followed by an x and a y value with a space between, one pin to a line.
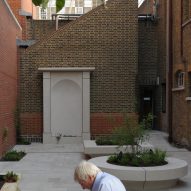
pixel 173 33
pixel 71 7
pixel 94 57
pixel 23 9
pixel 152 62
pixel 9 33
pixel 109 63
pixel 180 36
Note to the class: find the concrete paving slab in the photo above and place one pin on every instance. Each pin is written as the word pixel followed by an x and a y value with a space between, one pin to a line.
pixel 160 140
pixel 50 167
pixel 47 167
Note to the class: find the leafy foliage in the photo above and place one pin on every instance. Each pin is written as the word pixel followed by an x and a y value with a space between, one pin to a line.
pixel 140 158
pixel 44 4
pixel 106 140
pixel 37 2
pixel 13 155
pixel 10 177
pixel 59 4
pixel 132 134
pixel 128 133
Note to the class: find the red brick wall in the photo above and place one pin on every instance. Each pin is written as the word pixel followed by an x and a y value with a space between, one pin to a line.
pixel 8 77
pixel 181 61
pixel 16 6
pixel 33 122
pixel 105 123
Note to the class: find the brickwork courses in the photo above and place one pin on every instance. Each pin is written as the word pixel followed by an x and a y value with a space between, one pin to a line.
pixel 16 8
pixel 39 29
pixel 105 38
pixel 181 62
pixel 152 57
pixel 9 32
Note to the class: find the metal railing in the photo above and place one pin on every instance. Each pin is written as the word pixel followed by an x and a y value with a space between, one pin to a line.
pixel 58 17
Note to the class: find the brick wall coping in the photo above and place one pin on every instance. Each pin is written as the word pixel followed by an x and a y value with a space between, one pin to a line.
pixel 66 69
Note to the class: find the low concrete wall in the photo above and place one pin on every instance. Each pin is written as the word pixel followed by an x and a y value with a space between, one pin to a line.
pixel 92 149
pixel 145 178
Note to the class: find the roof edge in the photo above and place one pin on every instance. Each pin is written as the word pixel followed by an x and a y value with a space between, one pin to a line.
pixel 66 69
pixel 13 16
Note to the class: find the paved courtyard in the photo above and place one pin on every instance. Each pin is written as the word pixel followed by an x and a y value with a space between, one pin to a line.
pixel 50 167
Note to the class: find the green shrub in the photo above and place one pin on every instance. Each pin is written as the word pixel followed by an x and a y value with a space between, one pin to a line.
pixel 10 177
pixel 106 140
pixel 13 155
pixel 128 133
pixel 140 158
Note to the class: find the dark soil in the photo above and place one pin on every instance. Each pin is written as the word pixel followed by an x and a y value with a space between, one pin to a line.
pixel 1 182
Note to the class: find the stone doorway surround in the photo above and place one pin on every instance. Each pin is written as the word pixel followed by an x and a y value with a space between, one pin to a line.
pixel 48 132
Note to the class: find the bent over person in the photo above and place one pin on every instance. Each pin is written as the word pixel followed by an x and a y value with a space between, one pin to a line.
pixel 89 176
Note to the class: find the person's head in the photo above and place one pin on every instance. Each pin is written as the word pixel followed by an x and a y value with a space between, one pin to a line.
pixel 85 174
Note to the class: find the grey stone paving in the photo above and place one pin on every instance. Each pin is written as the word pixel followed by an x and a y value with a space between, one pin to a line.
pixel 47 167
pixel 50 167
pixel 159 140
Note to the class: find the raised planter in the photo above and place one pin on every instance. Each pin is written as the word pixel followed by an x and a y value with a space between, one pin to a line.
pixel 11 186
pixel 145 178
pixel 92 149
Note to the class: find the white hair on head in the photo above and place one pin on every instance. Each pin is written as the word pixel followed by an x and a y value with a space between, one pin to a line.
pixel 85 169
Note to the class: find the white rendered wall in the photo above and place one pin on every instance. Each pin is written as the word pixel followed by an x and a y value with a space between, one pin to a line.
pixel 66 104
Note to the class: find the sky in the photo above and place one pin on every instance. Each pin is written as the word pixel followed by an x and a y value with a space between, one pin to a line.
pixel 140 2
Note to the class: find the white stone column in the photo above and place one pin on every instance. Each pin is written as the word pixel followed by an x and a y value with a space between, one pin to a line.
pixel 86 105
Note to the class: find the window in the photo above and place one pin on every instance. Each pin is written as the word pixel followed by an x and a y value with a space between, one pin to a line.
pixel 43 13
pixel 180 79
pixel 52 3
pixel 70 3
pixel 189 84
pixel 79 10
pixel 87 3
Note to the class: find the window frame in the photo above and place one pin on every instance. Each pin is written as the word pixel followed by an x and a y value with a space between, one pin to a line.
pixel 180 79
pixel 41 13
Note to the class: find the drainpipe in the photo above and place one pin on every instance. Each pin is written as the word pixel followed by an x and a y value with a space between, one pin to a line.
pixel 181 32
pixel 169 68
pixel 57 19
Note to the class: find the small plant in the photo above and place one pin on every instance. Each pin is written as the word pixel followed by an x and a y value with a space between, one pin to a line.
pixel 13 155
pixel 10 177
pixel 129 133
pixel 141 158
pixel 58 137
pixel 106 140
pixel 5 133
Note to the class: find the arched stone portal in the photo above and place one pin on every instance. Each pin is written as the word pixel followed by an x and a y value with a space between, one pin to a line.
pixel 66 104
